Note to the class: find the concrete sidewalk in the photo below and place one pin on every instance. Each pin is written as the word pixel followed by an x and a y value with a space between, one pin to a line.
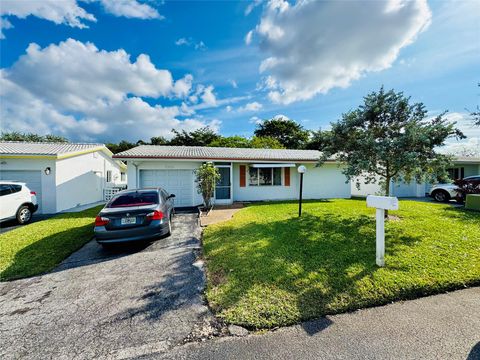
pixel 445 326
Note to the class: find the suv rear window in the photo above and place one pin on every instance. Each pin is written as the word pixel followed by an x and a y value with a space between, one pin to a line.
pixel 134 199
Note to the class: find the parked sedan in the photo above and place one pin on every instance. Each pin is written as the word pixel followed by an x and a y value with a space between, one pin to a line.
pixel 135 215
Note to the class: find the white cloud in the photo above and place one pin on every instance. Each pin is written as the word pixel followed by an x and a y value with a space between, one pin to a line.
pixel 4 24
pixel 252 5
pixel 60 12
pixel 469 145
pixel 252 106
pixel 233 83
pixel 70 13
pixel 314 46
pixel 255 120
pixel 130 9
pixel 229 108
pixel 200 45
pixel 248 37
pixel 208 96
pixel 76 90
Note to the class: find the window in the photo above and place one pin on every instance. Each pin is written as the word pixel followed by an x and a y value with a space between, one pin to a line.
pixel 109 176
pixel 265 176
pixel 134 199
pixel 16 188
pixel 122 176
pixel 5 190
pixel 456 173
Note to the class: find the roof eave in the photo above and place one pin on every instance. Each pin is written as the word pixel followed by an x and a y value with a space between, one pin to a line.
pixel 144 157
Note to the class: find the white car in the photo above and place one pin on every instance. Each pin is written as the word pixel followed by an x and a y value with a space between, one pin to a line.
pixel 17 201
pixel 444 192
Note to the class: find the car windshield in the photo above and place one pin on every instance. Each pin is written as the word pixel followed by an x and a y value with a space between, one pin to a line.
pixel 134 199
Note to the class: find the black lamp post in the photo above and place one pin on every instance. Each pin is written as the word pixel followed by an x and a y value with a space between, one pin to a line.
pixel 301 170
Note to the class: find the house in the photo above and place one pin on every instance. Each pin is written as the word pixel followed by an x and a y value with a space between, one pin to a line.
pixel 245 174
pixel 64 175
pixel 462 167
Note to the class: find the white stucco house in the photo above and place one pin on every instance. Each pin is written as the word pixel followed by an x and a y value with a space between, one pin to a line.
pixel 462 167
pixel 64 175
pixel 246 174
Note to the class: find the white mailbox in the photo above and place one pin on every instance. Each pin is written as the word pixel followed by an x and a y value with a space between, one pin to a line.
pixel 381 203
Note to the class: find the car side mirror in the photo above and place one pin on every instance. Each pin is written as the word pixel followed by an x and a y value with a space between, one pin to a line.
pixel 171 196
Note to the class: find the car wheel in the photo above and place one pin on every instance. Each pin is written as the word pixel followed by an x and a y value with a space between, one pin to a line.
pixel 441 196
pixel 24 215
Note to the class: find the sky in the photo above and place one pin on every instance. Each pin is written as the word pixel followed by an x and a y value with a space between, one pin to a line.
pixel 107 70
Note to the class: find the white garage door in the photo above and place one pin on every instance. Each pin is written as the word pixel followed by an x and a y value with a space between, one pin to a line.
pixel 33 179
pixel 178 182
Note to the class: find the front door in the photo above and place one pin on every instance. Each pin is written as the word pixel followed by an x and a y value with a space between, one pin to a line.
pixel 223 191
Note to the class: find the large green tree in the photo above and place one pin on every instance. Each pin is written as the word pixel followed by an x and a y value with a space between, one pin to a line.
pixel 389 139
pixel 288 132
pixel 265 142
pixel 201 137
pixel 235 141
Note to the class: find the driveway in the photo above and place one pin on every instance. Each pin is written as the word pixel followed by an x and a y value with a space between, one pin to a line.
pixel 100 304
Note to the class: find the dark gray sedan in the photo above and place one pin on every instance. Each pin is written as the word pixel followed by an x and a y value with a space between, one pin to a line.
pixel 135 215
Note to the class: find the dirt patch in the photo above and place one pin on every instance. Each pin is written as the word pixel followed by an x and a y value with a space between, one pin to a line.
pixel 394 218
pixel 220 213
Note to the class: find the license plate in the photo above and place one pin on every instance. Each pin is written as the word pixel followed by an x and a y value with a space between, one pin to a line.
pixel 128 220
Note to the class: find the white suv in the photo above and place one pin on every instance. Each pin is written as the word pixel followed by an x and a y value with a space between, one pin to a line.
pixel 17 201
pixel 444 192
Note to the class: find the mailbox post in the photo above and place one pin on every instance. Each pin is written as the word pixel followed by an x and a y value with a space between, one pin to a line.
pixel 381 203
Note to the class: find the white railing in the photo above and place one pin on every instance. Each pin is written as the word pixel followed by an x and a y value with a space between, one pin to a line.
pixel 109 192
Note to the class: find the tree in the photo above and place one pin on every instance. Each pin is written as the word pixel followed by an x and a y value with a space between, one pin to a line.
pixel 121 146
pixel 31 137
pixel 288 132
pixel 207 176
pixel 318 140
pixel 390 139
pixel 265 142
pixel 231 142
pixel 201 137
pixel 158 140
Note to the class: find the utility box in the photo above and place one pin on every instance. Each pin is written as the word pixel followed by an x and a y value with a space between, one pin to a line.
pixel 473 202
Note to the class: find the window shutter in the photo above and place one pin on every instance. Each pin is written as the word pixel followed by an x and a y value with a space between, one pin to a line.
pixel 287 176
pixel 243 171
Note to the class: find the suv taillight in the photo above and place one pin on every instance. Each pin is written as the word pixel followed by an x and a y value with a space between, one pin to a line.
pixel 155 215
pixel 33 193
pixel 101 221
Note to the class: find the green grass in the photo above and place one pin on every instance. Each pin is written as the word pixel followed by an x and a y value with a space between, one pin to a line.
pixel 266 267
pixel 39 247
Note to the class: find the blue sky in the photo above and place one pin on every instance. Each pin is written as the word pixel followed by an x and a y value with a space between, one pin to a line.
pixel 310 62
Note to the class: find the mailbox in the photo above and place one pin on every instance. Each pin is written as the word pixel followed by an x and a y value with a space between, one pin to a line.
pixel 382 202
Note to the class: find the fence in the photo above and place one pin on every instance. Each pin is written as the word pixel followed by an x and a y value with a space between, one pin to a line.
pixel 109 192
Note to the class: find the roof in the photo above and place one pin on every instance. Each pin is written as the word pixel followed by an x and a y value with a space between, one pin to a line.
pixel 49 150
pixel 217 153
pixel 467 160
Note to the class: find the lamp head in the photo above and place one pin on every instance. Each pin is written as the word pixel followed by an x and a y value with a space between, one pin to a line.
pixel 302 169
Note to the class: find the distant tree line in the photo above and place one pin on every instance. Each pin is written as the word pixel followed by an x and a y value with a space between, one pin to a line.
pixel 276 133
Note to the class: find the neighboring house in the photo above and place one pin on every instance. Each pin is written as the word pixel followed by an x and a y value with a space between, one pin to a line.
pixel 246 174
pixel 64 175
pixel 462 167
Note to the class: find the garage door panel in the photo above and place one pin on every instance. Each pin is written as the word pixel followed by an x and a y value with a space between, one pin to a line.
pixel 33 179
pixel 178 182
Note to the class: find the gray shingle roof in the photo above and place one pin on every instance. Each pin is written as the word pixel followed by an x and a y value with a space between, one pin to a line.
pixel 44 148
pixel 217 153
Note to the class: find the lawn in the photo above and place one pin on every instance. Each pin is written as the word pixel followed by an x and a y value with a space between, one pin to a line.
pixel 266 267
pixel 39 247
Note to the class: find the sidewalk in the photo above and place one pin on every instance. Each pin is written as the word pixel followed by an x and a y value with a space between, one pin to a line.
pixel 445 326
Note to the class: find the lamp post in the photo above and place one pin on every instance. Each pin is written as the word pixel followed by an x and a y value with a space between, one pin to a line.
pixel 301 170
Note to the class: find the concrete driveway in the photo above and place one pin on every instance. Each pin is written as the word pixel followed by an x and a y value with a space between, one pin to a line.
pixel 100 304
